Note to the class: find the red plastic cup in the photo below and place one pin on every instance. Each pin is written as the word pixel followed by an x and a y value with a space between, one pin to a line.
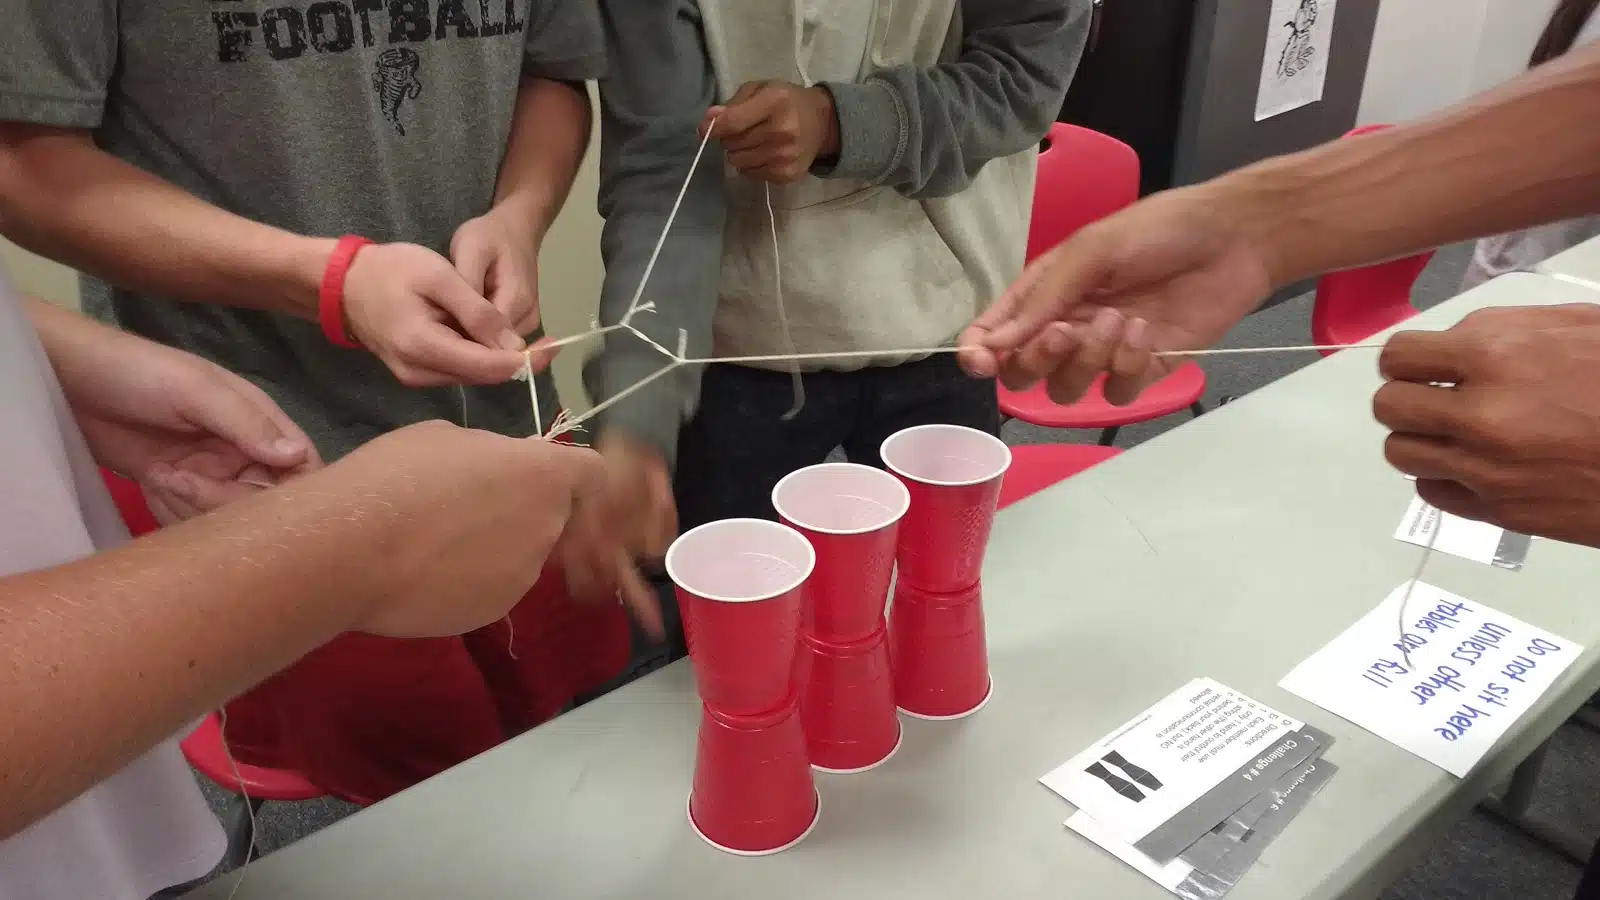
pixel 847 704
pixel 753 793
pixel 954 475
pixel 739 593
pixel 851 515
pixel 941 661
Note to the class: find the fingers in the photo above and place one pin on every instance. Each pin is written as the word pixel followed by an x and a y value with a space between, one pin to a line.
pixel 1453 498
pixel 1133 366
pixel 1426 458
pixel 542 354
pixel 438 356
pixel 228 409
pixel 1425 356
pixel 473 259
pixel 270 407
pixel 1409 408
pixel 749 107
pixel 477 317
pixel 639 598
pixel 663 526
pixel 1092 356
pixel 1038 358
pixel 1051 286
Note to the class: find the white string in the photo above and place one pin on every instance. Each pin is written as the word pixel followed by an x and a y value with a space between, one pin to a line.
pixel 783 318
pixel 1422 564
pixel 249 808
pixel 565 424
pixel 649 267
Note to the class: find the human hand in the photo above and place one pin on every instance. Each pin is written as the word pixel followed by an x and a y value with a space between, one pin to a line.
pixel 1514 439
pixel 499 259
pixel 192 434
pixel 461 520
pixel 632 518
pixel 413 310
pixel 774 131
pixel 1172 272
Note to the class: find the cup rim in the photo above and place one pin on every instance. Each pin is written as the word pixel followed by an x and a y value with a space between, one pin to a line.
pixel 883 452
pixel 900 491
pixel 806 570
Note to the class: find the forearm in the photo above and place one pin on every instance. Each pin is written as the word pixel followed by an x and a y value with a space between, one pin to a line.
pixel 79 347
pixel 928 131
pixel 1518 156
pixel 106 657
pixel 651 105
pixel 64 198
pixel 549 134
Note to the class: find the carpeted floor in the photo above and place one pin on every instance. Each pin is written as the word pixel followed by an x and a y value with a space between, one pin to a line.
pixel 1479 859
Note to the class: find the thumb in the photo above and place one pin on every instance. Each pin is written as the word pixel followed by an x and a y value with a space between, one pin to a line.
pixel 232 416
pixel 1049 289
pixel 473 258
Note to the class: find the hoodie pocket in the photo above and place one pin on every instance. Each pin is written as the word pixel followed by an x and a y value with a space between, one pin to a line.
pixel 864 271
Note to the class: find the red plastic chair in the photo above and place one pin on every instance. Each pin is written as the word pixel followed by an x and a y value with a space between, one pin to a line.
pixel 1035 467
pixel 1355 304
pixel 1084 176
pixel 205 749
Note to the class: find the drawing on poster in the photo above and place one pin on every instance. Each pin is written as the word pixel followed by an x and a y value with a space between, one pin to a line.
pixel 1294 62
pixel 1298 50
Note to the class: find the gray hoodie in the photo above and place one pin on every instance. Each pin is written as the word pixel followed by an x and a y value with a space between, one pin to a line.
pixel 920 222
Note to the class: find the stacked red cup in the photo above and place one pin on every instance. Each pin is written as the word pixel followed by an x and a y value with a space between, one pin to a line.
pixel 936 632
pixel 739 590
pixel 851 516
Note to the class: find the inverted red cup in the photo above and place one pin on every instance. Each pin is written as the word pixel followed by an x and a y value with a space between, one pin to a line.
pixel 939 654
pixel 953 474
pixel 753 793
pixel 739 593
pixel 851 515
pixel 847 704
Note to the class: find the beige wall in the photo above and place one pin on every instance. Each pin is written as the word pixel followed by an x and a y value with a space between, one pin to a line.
pixel 1428 54
pixel 569 274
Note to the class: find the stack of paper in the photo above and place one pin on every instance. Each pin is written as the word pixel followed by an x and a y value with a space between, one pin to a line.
pixel 1464 538
pixel 1190 791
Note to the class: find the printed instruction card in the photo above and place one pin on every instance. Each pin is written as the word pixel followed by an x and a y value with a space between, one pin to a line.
pixel 1479 542
pixel 1170 775
pixel 1472 672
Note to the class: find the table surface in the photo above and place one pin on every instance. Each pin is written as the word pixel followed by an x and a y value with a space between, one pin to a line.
pixel 1232 547
pixel 1582 261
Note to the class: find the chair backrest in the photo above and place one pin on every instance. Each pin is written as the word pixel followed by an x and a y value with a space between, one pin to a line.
pixel 1083 176
pixel 1355 304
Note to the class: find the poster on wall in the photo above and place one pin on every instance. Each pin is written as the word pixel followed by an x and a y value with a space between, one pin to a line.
pixel 1295 64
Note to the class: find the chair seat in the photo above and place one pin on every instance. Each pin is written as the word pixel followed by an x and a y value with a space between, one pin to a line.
pixel 1174 393
pixel 206 752
pixel 1035 467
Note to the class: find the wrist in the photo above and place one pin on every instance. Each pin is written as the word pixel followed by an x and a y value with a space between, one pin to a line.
pixel 1269 209
pixel 298 274
pixel 827 115
pixel 527 213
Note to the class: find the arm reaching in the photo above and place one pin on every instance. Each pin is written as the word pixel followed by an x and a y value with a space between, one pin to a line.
pixel 1177 270
pixel 107 656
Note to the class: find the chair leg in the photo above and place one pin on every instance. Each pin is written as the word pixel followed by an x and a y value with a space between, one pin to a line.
pixel 239 824
pixel 1109 436
pixel 1514 810
pixel 1198 409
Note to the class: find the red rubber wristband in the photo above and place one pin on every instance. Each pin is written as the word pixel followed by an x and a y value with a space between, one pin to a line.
pixel 330 298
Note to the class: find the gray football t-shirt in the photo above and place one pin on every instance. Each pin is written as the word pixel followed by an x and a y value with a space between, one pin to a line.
pixel 385 118
pixel 147 828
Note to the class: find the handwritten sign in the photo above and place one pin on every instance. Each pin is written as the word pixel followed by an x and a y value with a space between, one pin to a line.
pixel 1473 671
